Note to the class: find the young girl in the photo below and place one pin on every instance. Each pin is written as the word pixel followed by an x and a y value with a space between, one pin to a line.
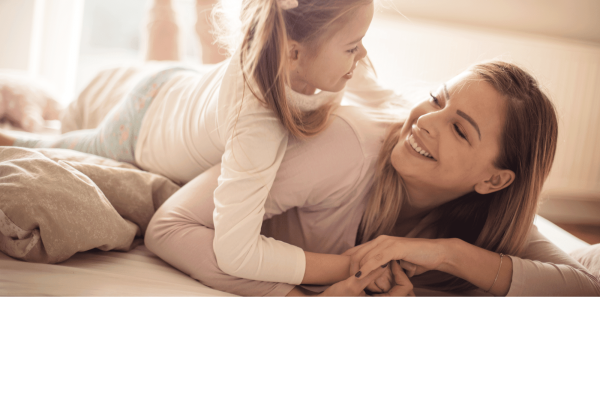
pixel 290 71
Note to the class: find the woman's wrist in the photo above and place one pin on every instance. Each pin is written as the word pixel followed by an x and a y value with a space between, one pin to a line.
pixel 478 266
pixel 450 250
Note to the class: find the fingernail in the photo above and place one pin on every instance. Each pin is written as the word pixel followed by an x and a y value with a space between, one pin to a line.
pixel 358 274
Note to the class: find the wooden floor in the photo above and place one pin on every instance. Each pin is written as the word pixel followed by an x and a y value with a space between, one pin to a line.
pixel 588 233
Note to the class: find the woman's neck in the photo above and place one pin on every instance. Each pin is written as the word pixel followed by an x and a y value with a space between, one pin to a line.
pixel 418 203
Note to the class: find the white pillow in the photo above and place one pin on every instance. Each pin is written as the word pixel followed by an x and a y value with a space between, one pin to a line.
pixel 589 257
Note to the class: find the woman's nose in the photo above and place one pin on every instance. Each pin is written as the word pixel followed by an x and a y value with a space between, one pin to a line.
pixel 426 123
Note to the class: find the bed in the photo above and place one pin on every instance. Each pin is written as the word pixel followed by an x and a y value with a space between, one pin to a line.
pixel 138 272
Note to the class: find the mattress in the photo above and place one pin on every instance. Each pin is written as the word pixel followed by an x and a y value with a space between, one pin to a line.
pixel 141 273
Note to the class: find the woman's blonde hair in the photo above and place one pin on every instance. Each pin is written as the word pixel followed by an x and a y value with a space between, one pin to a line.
pixel 264 52
pixel 498 221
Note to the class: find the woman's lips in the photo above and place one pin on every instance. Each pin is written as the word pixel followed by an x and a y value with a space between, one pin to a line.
pixel 416 145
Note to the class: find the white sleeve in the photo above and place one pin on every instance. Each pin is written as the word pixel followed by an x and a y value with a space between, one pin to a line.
pixel 545 270
pixel 364 89
pixel 252 157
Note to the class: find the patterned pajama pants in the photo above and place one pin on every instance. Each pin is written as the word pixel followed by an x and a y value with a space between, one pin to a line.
pixel 118 132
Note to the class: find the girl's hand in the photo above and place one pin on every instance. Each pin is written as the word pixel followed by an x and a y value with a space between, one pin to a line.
pixel 380 285
pixel 403 286
pixel 415 255
pixel 354 285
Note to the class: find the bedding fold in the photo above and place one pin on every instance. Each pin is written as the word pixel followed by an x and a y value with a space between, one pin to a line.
pixel 55 203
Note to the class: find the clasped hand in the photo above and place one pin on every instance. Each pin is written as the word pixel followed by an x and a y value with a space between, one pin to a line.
pixel 401 257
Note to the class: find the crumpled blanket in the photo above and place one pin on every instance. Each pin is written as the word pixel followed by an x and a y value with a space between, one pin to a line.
pixel 56 202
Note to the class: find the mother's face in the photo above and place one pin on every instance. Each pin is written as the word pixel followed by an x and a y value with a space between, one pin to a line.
pixel 450 141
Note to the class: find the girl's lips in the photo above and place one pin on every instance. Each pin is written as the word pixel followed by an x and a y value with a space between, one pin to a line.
pixel 351 72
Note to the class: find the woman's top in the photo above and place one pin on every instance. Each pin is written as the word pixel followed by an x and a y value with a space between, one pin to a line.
pixel 316 202
pixel 198 120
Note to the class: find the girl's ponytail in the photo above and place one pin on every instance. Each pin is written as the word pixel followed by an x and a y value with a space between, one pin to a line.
pixel 263 58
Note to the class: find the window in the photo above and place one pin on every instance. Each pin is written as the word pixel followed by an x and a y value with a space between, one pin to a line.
pixel 112 34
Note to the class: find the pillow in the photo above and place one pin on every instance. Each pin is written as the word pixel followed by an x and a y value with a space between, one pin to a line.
pixel 589 257
pixel 56 202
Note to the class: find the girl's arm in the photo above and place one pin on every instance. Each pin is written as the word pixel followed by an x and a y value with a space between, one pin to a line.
pixel 181 233
pixel 364 89
pixel 248 168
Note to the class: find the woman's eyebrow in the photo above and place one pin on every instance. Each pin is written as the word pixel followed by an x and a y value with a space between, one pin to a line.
pixel 462 114
pixel 471 121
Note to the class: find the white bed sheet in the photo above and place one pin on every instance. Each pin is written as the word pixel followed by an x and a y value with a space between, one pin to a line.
pixel 98 273
pixel 141 273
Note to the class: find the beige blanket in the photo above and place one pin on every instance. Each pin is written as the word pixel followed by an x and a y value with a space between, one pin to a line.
pixel 55 203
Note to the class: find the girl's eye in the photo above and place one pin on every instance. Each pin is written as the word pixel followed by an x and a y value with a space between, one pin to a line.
pixel 459 132
pixel 354 50
pixel 435 99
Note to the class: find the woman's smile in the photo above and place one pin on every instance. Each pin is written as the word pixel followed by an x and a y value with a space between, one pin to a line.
pixel 417 145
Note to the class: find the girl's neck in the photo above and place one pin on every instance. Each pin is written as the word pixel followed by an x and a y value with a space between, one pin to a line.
pixel 299 85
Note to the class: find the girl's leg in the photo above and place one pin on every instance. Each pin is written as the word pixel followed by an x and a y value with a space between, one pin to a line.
pixel 162 32
pixel 117 135
pixel 210 51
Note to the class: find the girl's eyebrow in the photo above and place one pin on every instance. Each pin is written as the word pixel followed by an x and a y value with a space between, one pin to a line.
pixel 356 41
pixel 463 114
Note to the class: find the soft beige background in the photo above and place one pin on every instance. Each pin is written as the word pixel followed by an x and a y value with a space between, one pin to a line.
pixel 573 19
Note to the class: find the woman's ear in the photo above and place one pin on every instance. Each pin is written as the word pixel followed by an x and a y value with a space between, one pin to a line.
pixel 498 181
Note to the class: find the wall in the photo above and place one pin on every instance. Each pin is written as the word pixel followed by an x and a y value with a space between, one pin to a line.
pixel 572 19
pixel 42 38
pixel 16 22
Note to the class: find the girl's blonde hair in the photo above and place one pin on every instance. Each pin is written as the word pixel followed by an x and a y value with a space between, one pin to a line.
pixel 264 51
pixel 498 221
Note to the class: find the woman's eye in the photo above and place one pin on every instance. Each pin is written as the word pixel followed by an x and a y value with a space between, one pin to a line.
pixel 354 50
pixel 459 132
pixel 435 99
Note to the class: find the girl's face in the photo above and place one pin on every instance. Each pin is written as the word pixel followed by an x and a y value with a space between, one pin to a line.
pixel 333 64
pixel 449 143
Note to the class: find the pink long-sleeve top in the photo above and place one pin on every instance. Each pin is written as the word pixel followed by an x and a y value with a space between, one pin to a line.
pixel 316 203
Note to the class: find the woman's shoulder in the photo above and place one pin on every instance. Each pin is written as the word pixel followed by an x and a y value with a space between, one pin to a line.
pixel 334 165
pixel 369 126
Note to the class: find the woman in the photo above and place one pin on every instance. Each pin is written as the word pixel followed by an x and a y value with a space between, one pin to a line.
pixel 468 165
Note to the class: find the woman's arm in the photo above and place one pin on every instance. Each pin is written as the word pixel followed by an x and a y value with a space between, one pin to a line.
pixel 181 233
pixel 541 270
pixel 549 272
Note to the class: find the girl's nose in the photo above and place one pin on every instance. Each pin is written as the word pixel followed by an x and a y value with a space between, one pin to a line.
pixel 362 52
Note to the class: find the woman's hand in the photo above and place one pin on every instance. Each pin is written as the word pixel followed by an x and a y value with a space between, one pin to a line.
pixel 415 255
